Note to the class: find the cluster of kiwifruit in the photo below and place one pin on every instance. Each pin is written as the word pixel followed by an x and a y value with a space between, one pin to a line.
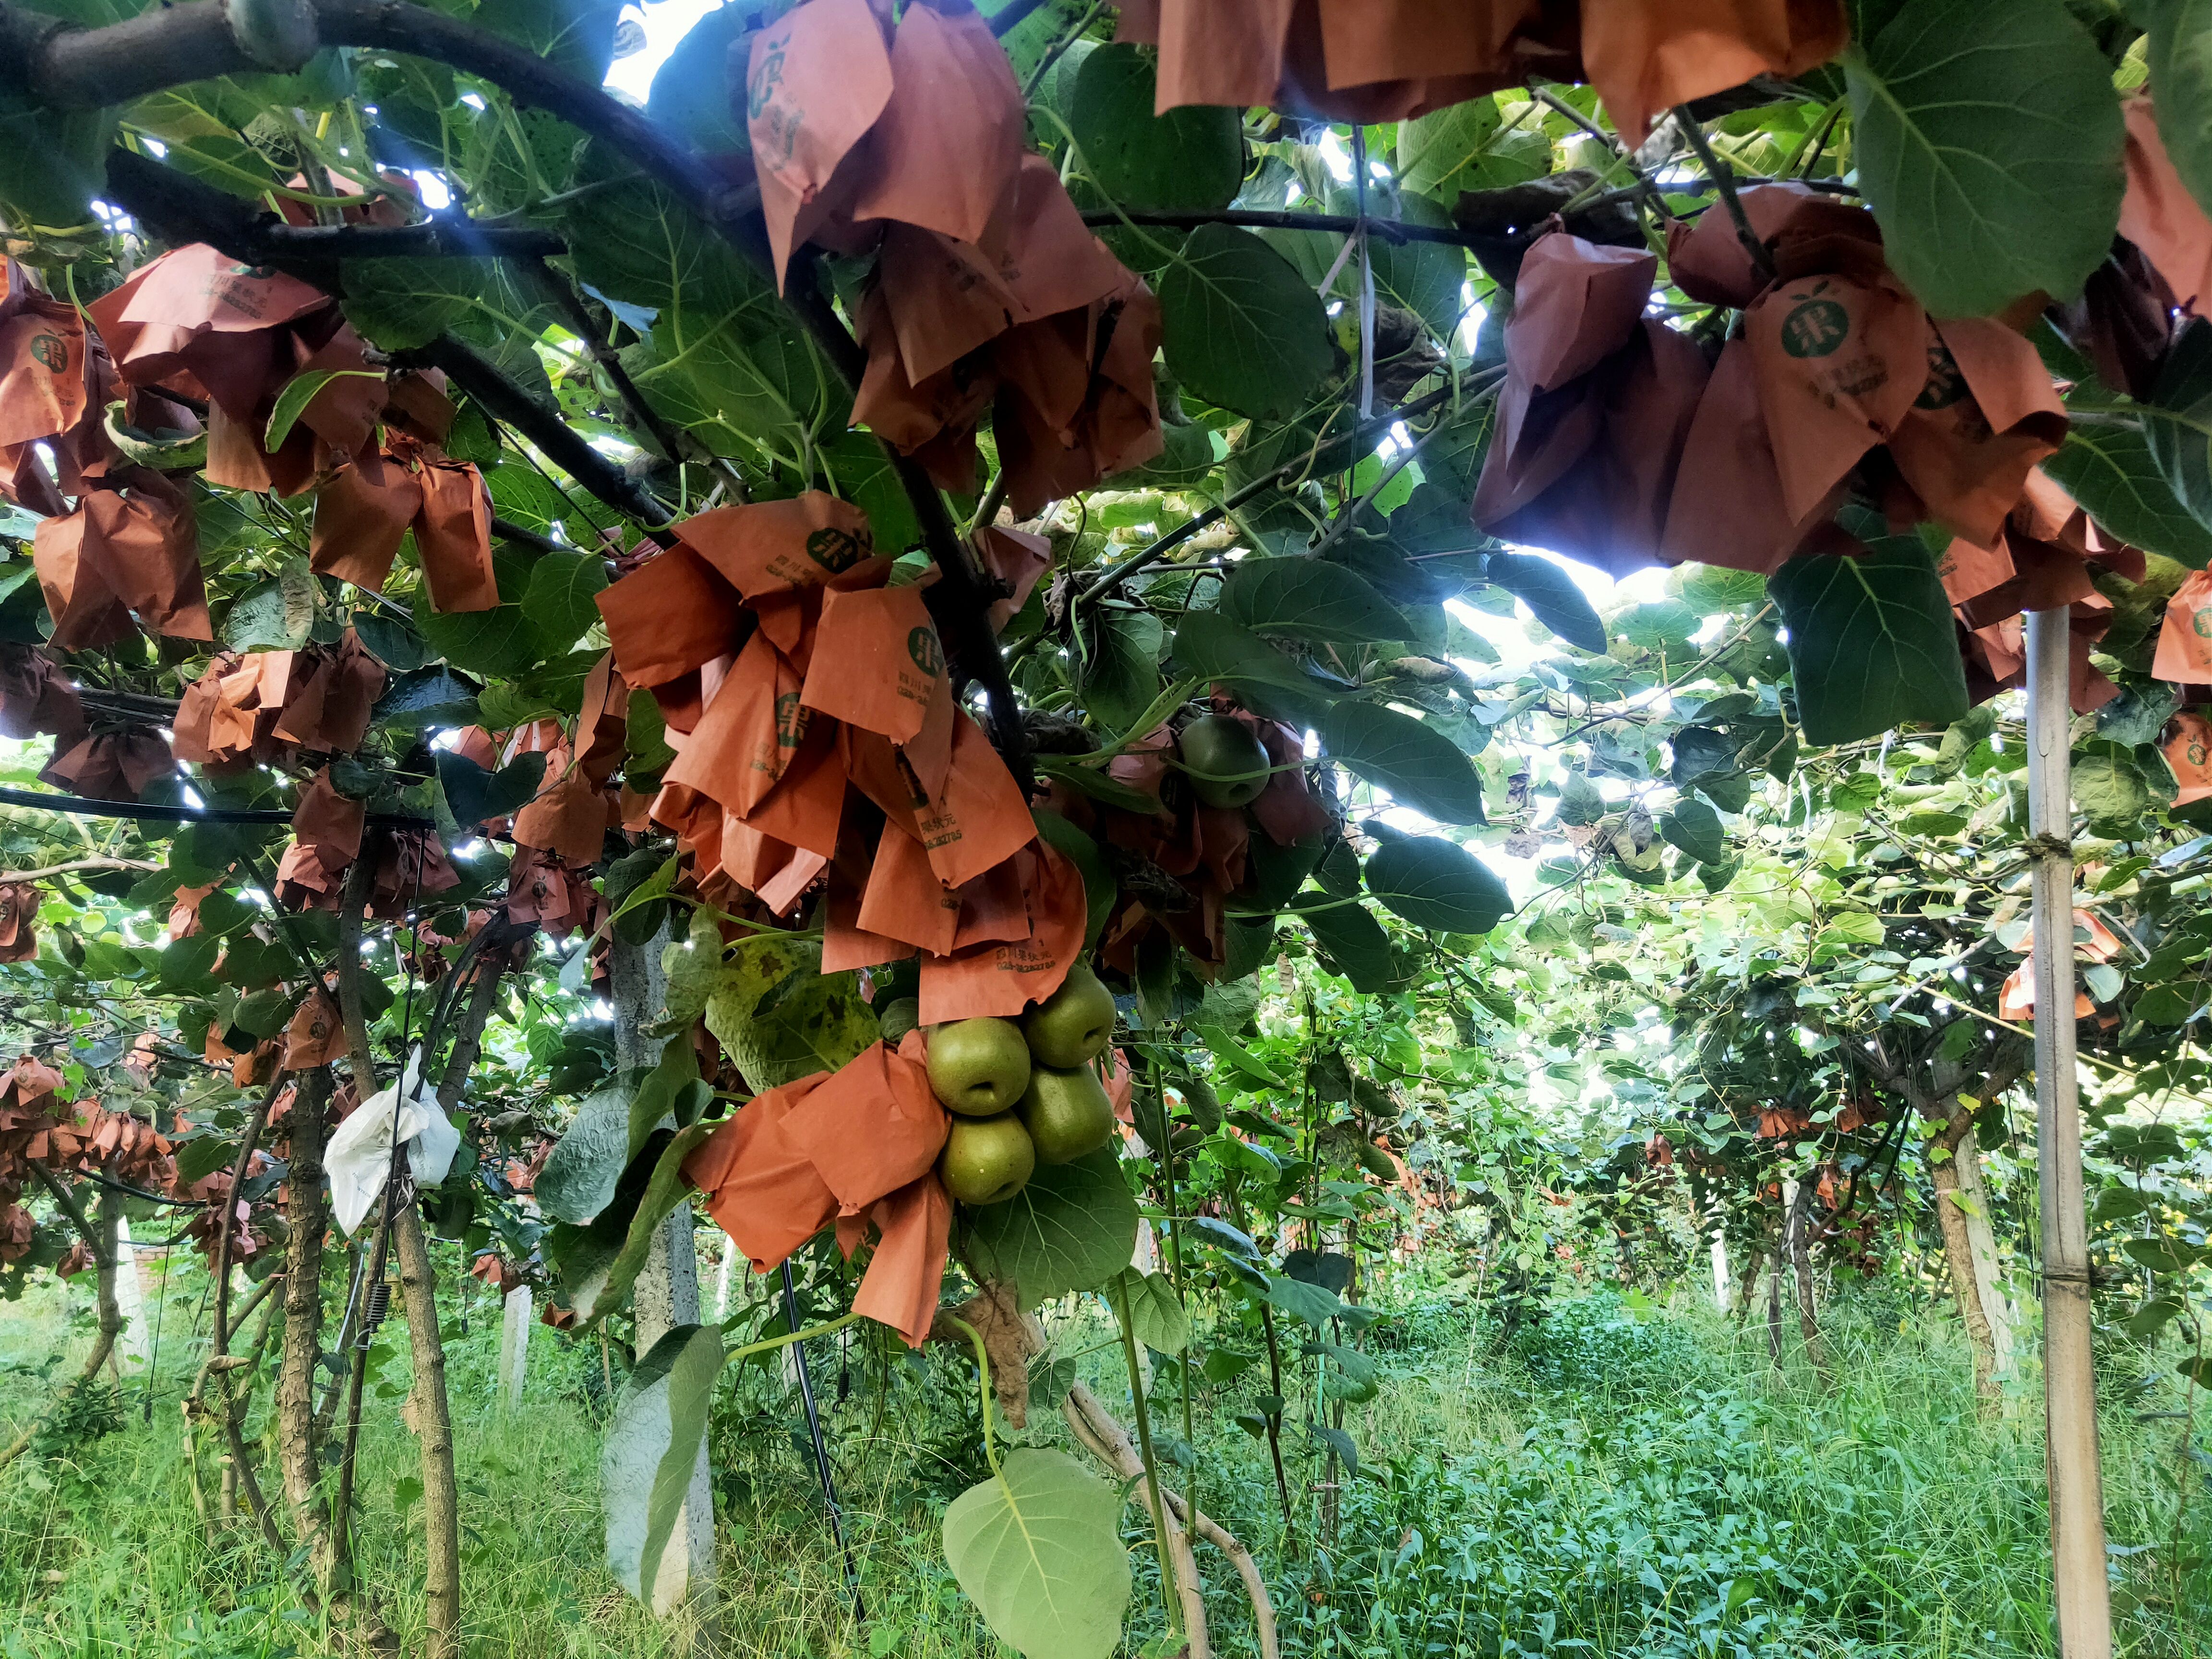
pixel 1022 1092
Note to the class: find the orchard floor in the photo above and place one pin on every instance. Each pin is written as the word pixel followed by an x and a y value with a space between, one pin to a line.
pixel 1625 1480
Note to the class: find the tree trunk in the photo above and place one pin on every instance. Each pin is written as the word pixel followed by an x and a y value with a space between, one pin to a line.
pixel 667 1296
pixel 1958 1246
pixel 432 1419
pixel 308 1214
pixel 1801 1265
pixel 99 1237
pixel 514 1347
pixel 1774 1309
pixel 1982 1241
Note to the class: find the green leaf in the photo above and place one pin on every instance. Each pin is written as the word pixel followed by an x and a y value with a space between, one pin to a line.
pixel 1099 889
pixel 299 391
pixel 1156 1317
pixel 1987 136
pixel 431 696
pixel 1418 765
pixel 2179 60
pixel 1209 646
pixel 267 617
pixel 391 641
pixel 1355 941
pixel 1434 882
pixel 1872 644
pixel 1241 328
pixel 558 600
pixel 1038 1549
pixel 1094 781
pixel 2175 423
pixel 1468 147
pixel 1189 160
pixel 1071 1228
pixel 473 794
pixel 817 1027
pixel 1550 593
pixel 1312 1304
pixel 51 162
pixel 2111 471
pixel 582 1172
pixel 690 92
pixel 2110 788
pixel 651 1451
pixel 1122 675
pixel 1696 829
pixel 1310 600
pixel 664 1192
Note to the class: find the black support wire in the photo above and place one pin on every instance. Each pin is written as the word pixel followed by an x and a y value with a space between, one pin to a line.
pixel 151 812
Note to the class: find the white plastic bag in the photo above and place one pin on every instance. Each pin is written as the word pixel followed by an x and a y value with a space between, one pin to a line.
pixel 359 1156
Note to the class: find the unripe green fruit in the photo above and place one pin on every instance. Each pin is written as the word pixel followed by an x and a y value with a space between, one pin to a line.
pixel 1227 761
pixel 1067 1113
pixel 978 1067
pixel 986 1160
pixel 1072 1025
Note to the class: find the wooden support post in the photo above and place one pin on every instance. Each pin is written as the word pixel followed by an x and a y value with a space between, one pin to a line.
pixel 2077 1518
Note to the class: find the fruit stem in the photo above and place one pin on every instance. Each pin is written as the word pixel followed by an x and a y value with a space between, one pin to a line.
pixel 1169 1598
pixel 983 1376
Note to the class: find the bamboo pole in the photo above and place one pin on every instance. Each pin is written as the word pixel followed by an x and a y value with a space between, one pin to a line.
pixel 2077 1521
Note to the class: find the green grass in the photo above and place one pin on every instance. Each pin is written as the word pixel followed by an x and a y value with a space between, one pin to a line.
pixel 1618 1481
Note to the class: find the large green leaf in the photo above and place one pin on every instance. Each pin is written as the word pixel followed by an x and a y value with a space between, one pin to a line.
pixel 1240 326
pixel 1157 1317
pixel 1467 146
pixel 2177 419
pixel 1189 160
pixel 1988 140
pixel 1696 829
pixel 1038 1549
pixel 1434 882
pixel 1872 644
pixel 1121 678
pixel 500 641
pixel 2111 470
pixel 558 602
pixel 1551 595
pixel 50 162
pixel 1418 764
pixel 2180 63
pixel 1310 600
pixel 582 1172
pixel 1426 278
pixel 1071 1228
pixel 664 1192
pixel 1209 646
pixel 780 1017
pixel 652 1449
pixel 1355 943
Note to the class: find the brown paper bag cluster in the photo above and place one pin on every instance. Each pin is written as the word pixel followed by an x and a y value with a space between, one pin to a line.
pixel 114 764
pixel 1183 863
pixel 1384 60
pixel 1618 445
pixel 231 337
pixel 857 1146
pixel 36 698
pixel 369 504
pixel 18 915
pixel 262 708
pixel 825 745
pixel 2043 557
pixel 2016 1001
pixel 327 833
pixel 991 295
pixel 56 382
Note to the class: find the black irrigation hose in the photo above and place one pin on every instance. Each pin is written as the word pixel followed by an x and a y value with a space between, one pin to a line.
pixel 821 1451
pixel 148 811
